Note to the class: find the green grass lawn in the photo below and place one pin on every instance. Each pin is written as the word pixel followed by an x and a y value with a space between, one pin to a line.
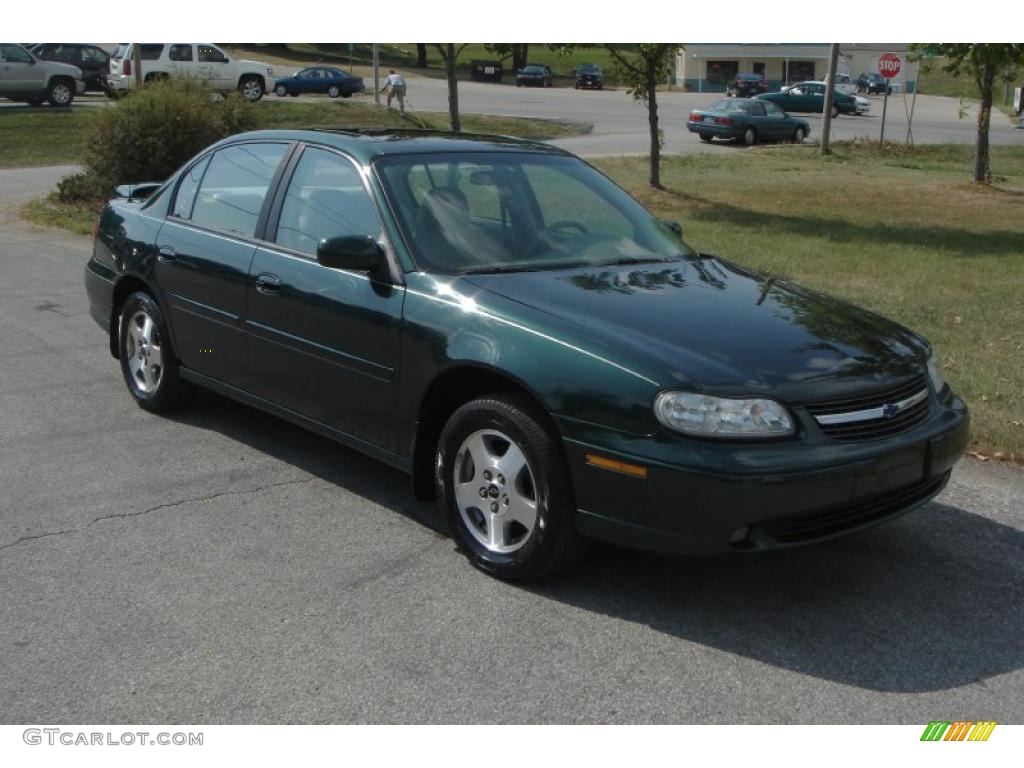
pixel 46 136
pixel 901 233
pixel 935 81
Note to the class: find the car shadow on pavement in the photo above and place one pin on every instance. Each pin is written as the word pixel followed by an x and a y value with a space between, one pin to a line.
pixel 928 602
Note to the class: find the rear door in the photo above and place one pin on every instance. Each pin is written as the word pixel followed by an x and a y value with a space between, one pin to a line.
pixel 776 124
pixel 205 248
pixel 324 342
pixel 182 60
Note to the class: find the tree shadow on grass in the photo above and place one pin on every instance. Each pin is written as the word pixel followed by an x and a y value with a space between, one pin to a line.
pixel 928 602
pixel 951 240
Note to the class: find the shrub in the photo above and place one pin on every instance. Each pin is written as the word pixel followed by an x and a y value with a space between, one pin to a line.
pixel 147 136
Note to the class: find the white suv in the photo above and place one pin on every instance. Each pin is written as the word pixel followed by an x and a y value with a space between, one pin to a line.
pixel 197 60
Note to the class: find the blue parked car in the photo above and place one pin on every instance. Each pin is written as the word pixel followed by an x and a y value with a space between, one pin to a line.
pixel 329 80
pixel 748 121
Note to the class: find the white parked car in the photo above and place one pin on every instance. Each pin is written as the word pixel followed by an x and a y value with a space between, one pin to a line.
pixel 196 60
pixel 845 84
pixel 863 103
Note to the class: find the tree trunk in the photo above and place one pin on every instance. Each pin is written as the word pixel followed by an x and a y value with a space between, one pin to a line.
pixel 453 87
pixel 986 83
pixel 421 55
pixel 651 87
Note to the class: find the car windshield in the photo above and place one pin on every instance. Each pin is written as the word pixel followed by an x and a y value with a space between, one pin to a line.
pixel 503 211
pixel 533 70
pixel 588 69
pixel 731 105
pixel 753 78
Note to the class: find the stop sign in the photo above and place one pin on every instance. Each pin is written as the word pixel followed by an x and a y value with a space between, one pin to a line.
pixel 888 65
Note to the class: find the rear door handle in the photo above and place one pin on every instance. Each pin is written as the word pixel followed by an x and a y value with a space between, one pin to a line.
pixel 166 253
pixel 267 283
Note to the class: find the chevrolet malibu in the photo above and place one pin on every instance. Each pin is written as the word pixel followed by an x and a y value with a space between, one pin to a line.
pixel 541 355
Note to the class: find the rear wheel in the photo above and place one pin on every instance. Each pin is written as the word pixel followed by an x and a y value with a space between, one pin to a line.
pixel 61 93
pixel 706 137
pixel 835 111
pixel 799 135
pixel 280 90
pixel 504 489
pixel 749 137
pixel 148 362
pixel 334 92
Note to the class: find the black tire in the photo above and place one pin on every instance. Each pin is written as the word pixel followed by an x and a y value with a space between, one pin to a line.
pixel 835 111
pixel 334 92
pixel 61 92
pixel 553 542
pixel 170 389
pixel 706 137
pixel 749 137
pixel 34 101
pixel 346 95
pixel 799 135
pixel 280 90
pixel 251 87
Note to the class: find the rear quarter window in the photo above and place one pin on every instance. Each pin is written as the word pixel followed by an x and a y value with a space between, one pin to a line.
pixel 235 185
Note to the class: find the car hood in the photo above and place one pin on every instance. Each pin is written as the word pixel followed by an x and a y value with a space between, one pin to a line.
pixel 713 326
pixel 249 63
pixel 59 68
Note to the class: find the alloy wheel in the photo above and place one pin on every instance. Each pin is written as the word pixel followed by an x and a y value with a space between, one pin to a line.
pixel 144 353
pixel 495 491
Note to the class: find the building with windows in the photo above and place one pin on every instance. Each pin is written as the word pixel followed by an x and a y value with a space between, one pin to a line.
pixel 708 67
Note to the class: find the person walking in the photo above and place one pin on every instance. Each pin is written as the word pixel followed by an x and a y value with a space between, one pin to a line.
pixel 395 86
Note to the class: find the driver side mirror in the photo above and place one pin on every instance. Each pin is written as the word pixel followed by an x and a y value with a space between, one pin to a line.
pixel 675 226
pixel 357 253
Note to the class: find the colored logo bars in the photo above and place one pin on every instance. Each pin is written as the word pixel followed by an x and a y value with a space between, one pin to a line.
pixel 958 730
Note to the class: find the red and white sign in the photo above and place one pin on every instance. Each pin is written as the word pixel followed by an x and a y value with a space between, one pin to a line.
pixel 889 65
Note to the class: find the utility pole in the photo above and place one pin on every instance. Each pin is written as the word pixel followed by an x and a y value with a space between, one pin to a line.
pixel 830 95
pixel 137 63
pixel 376 74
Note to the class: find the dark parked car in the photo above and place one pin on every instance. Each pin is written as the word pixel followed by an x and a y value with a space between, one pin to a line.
pixel 872 82
pixel 535 74
pixel 747 84
pixel 558 367
pixel 809 96
pixel 589 76
pixel 91 59
pixel 486 71
pixel 747 120
pixel 329 80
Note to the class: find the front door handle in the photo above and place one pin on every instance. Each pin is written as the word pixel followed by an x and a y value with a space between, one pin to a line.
pixel 268 284
pixel 166 253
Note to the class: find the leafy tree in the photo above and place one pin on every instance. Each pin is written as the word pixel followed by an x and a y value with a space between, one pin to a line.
pixel 421 55
pixel 517 51
pixel 450 54
pixel 984 62
pixel 640 68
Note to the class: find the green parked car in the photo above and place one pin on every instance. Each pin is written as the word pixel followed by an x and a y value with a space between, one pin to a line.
pixel 542 355
pixel 809 96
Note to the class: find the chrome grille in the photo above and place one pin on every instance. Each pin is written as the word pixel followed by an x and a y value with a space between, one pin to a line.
pixel 876 415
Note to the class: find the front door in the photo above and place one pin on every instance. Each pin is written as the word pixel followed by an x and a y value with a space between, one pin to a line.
pixel 20 72
pixel 205 248
pixel 323 342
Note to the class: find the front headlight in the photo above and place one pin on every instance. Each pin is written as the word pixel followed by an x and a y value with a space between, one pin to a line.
pixel 696 414
pixel 935 373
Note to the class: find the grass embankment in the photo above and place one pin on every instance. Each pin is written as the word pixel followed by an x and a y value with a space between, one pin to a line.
pixel 933 80
pixel 898 231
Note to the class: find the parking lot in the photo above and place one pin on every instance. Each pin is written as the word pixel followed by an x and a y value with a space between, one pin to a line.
pixel 224 566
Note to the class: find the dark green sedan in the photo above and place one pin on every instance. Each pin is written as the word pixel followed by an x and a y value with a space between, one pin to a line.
pixel 543 356
pixel 809 96
pixel 747 120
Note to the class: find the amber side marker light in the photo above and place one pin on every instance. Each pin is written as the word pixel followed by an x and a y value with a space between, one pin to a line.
pixel 616 466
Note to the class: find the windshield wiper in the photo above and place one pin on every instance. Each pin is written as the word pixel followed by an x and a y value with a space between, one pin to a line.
pixel 644 260
pixel 497 269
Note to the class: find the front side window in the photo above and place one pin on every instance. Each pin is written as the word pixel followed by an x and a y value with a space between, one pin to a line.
pixel 485 212
pixel 14 54
pixel 211 55
pixel 235 185
pixel 325 198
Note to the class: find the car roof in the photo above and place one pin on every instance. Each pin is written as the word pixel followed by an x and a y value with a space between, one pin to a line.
pixel 367 143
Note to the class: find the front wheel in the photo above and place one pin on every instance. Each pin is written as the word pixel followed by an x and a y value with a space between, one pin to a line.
pixel 148 362
pixel 61 93
pixel 251 88
pixel 835 111
pixel 799 135
pixel 504 489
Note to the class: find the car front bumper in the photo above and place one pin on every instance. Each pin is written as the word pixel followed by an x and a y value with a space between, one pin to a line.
pixel 747 497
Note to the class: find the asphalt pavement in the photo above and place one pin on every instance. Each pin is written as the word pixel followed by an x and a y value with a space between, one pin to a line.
pixel 222 566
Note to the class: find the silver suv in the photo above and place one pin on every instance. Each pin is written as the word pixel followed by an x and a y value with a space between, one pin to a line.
pixel 23 77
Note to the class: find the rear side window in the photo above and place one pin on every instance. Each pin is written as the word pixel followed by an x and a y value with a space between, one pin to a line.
pixel 180 52
pixel 151 51
pixel 93 55
pixel 187 189
pixel 326 198
pixel 235 186
pixel 757 110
